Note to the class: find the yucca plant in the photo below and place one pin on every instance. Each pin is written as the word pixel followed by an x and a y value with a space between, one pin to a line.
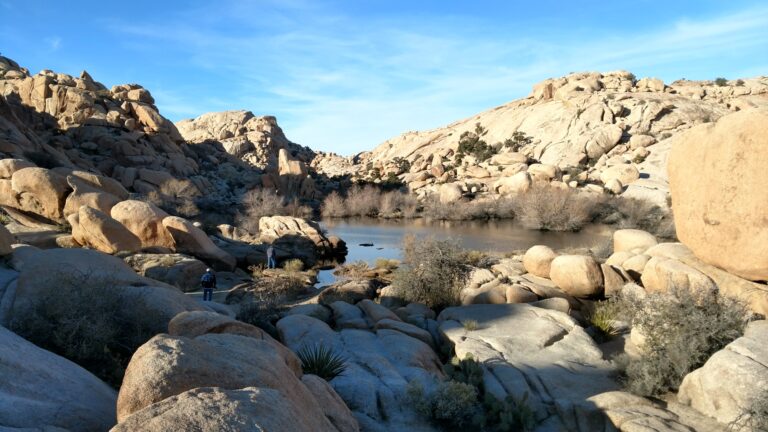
pixel 322 361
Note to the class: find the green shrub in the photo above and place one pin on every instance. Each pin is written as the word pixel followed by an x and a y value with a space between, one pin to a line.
pixel 739 82
pixel 81 317
pixel 509 414
pixel 467 371
pixel 721 82
pixel 293 265
pixel 517 141
pixel 321 361
pixel 603 316
pixel 470 325
pixel 455 403
pixel 682 330
pixel 434 273
pixel 472 143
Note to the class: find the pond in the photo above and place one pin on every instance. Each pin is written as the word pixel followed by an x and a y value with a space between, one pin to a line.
pixel 368 239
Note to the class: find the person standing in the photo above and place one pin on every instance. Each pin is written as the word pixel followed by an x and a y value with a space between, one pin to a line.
pixel 271 263
pixel 208 281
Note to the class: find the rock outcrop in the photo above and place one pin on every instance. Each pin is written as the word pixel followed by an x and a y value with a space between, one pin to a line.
pixel 42 391
pixel 718 184
pixel 528 350
pixel 732 379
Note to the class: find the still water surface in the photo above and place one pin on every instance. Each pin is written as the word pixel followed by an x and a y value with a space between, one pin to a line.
pixel 492 236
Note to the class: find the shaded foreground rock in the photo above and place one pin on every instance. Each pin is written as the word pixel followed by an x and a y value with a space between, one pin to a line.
pixel 380 364
pixel 42 391
pixel 167 366
pixel 218 409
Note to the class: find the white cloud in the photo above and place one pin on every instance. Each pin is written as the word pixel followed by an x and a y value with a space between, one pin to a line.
pixel 343 85
pixel 53 42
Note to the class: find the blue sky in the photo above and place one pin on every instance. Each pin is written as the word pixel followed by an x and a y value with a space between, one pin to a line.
pixel 344 76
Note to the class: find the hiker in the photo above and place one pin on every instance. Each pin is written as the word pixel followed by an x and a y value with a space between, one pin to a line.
pixel 208 281
pixel 271 257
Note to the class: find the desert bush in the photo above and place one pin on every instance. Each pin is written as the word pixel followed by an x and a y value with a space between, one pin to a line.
pixel 475 258
pixel 333 206
pixel 177 197
pixel 603 316
pixel 517 141
pixel 550 208
pixel 81 317
pixel 256 204
pixel 470 325
pixel 362 201
pixel 644 215
pixel 322 361
pixel 682 330
pixel 296 209
pixel 461 403
pixel 293 265
pixel 721 82
pixel 263 311
pixel 740 82
pixel 386 264
pixel 434 273
pixel 754 417
pixel 355 270
pixel 473 144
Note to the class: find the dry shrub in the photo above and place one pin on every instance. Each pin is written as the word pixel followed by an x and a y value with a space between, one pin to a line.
pixel 753 417
pixel 296 209
pixel 82 318
pixel 434 273
pixel 363 201
pixel 293 265
pixel 177 197
pixel 682 330
pixel 545 207
pixel 644 215
pixel 333 206
pixel 261 202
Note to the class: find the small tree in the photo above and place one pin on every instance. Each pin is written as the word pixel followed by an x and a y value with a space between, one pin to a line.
pixel 720 81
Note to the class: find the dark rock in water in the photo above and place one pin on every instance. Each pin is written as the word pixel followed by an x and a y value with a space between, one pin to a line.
pixel 366 244
pixel 380 248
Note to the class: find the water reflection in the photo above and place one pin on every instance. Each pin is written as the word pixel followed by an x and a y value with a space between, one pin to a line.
pixel 494 235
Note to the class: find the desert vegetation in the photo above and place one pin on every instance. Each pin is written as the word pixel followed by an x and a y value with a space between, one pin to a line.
pixel 321 360
pixel 261 202
pixel 681 329
pixel 370 201
pixel 434 273
pixel 461 402
pixel 81 316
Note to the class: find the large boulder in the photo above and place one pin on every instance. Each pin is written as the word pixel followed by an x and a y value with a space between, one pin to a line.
pixel 179 270
pixel 577 275
pixel 192 240
pixel 95 229
pixel 624 173
pixel 42 391
pixel 449 193
pixel 718 185
pixel 198 323
pixel 152 302
pixel 94 181
pixel 732 379
pixel 10 166
pixel 662 275
pixel 538 260
pixel 627 240
pixel 83 194
pixel 40 191
pixel 144 220
pixel 289 233
pixel 167 366
pixel 220 409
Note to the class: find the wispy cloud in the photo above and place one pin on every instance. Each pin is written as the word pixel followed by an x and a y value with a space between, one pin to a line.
pixel 53 42
pixel 340 84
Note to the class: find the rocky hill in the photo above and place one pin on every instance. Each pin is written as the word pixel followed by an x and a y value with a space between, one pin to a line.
pixel 587 130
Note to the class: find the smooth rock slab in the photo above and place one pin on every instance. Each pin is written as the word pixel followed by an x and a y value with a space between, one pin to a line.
pixel 525 349
pixel 732 378
pixel 40 390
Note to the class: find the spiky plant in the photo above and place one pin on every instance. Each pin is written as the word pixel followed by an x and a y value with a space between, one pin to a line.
pixel 322 361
